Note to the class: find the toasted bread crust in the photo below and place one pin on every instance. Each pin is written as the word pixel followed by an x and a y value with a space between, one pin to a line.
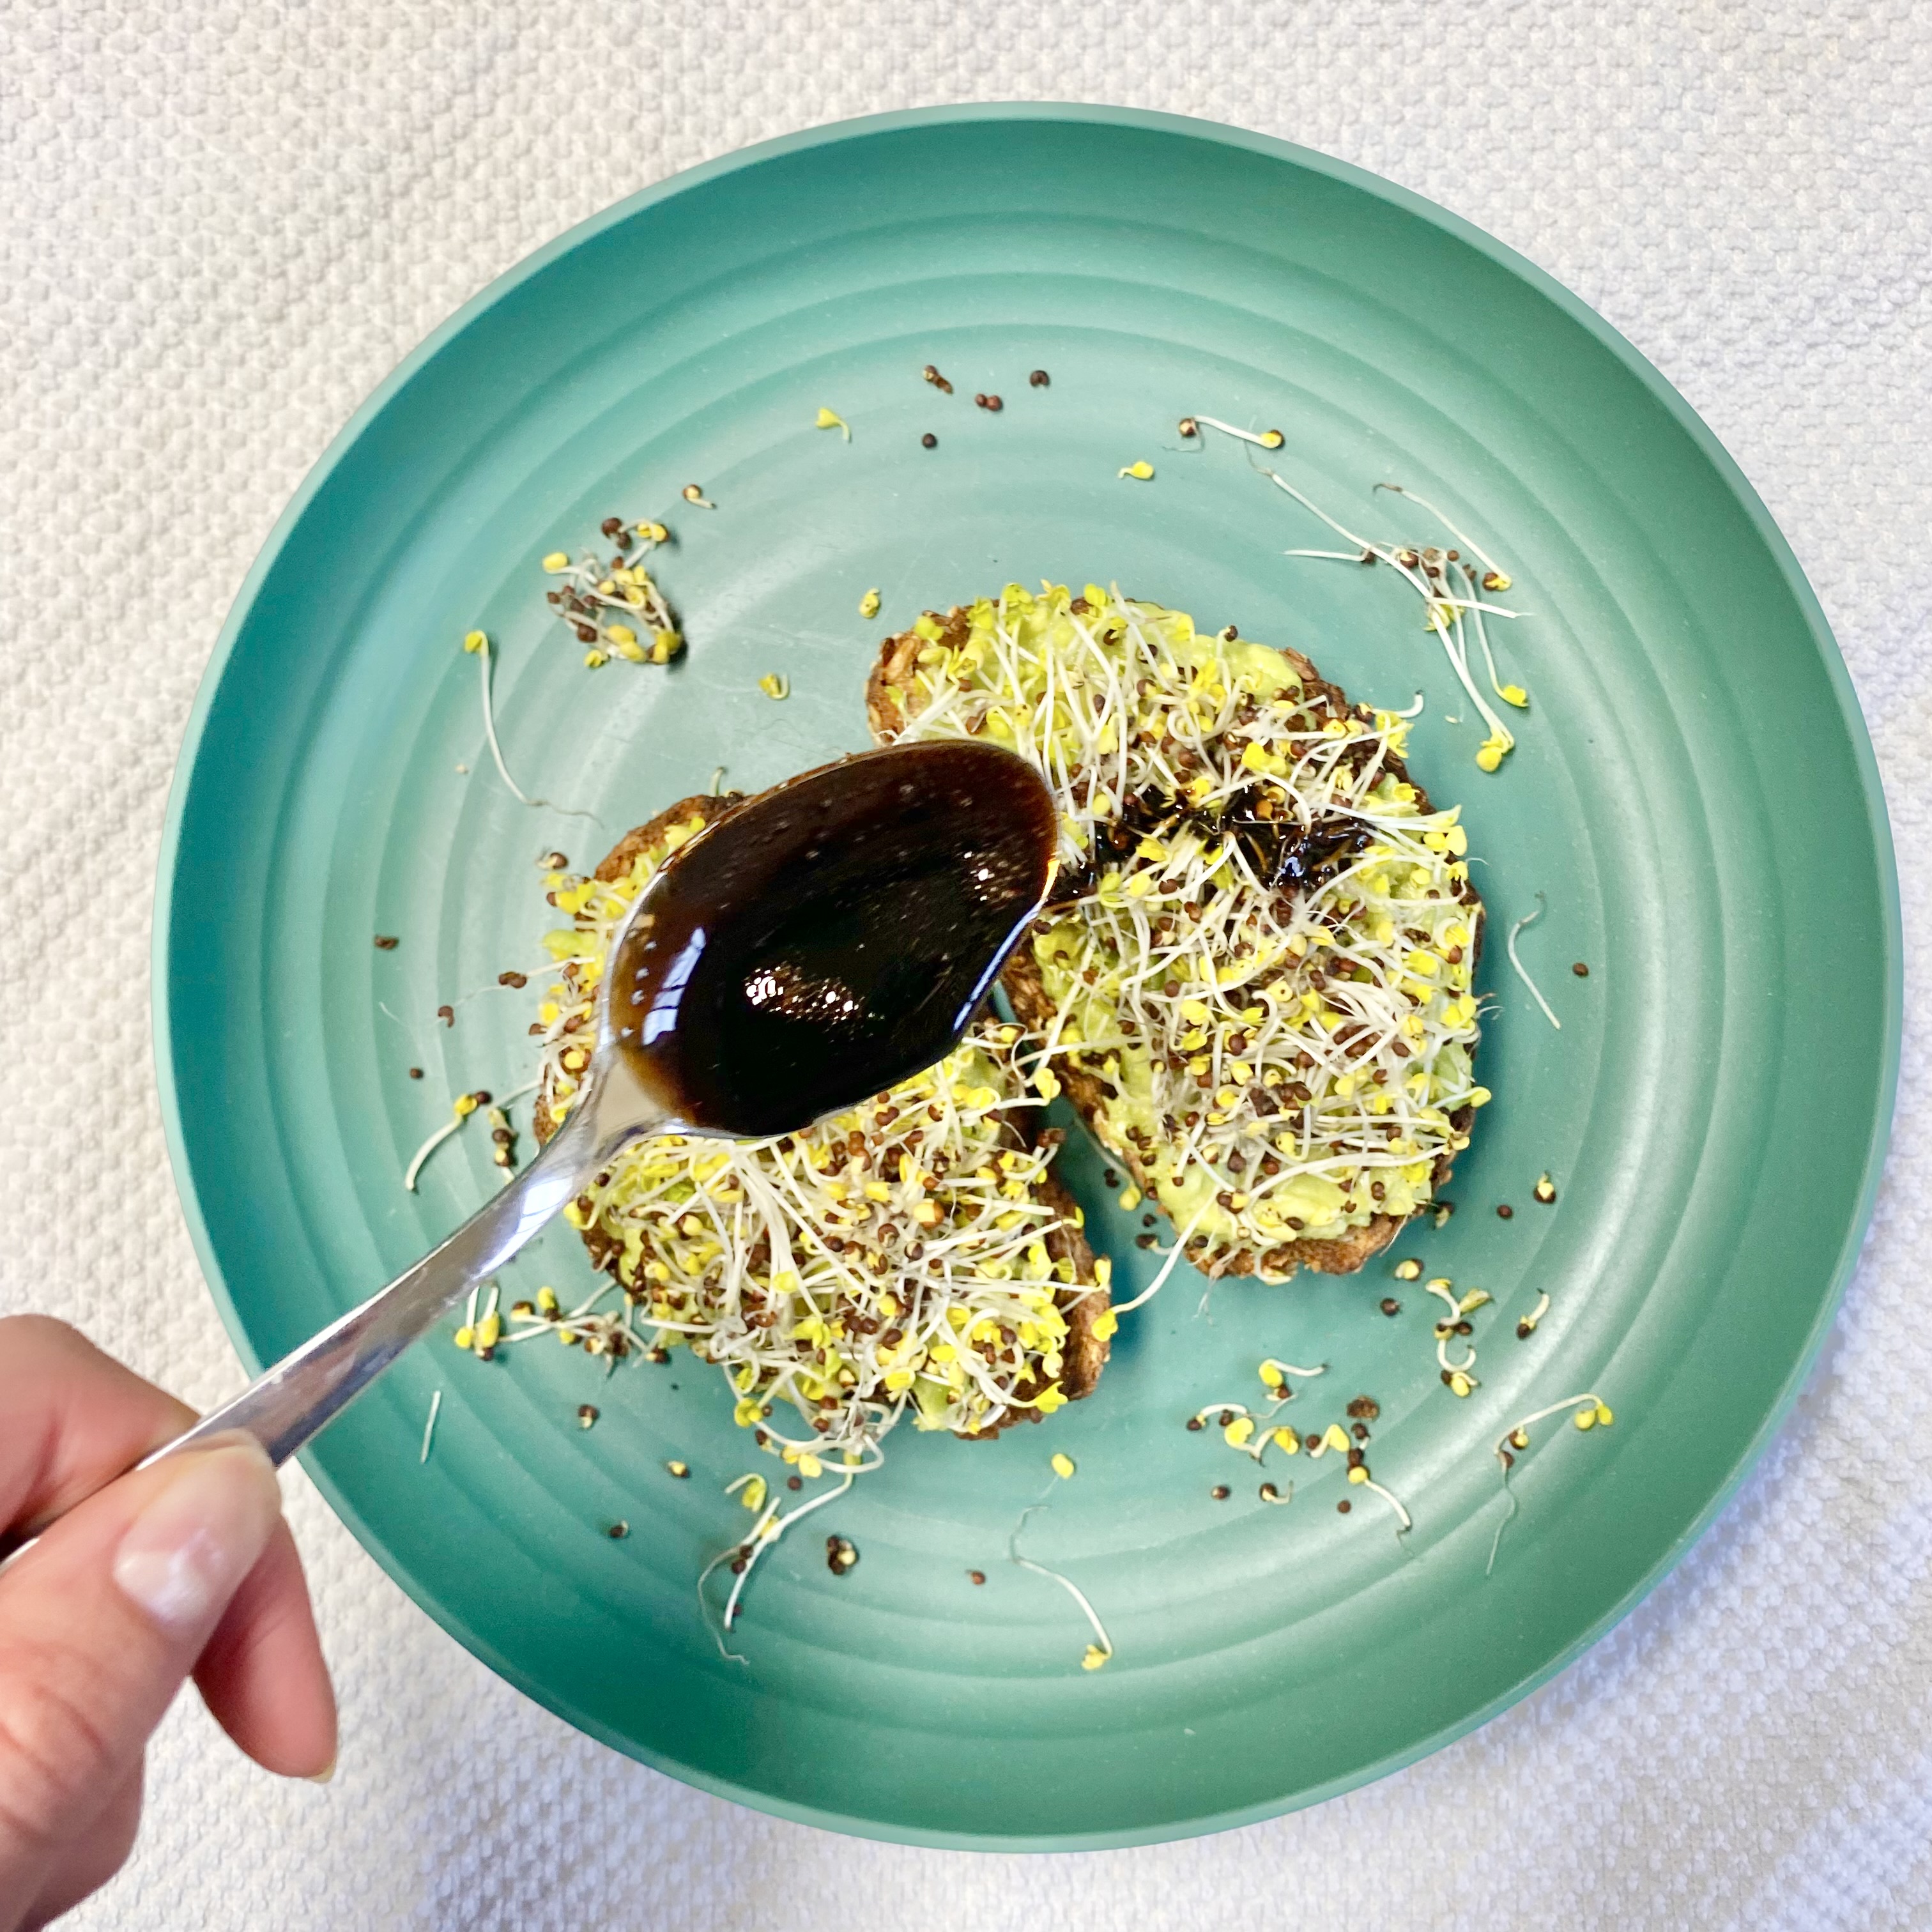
pixel 885 712
pixel 891 674
pixel 1084 1352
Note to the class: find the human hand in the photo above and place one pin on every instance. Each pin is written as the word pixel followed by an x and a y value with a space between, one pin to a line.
pixel 187 1566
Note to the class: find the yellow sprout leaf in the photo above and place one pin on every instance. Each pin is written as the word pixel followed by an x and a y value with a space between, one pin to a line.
pixel 775 685
pixel 1062 1464
pixel 1141 472
pixel 752 1496
pixel 558 560
pixel 869 605
pixel 1095 1658
pixel 830 419
pixel 475 641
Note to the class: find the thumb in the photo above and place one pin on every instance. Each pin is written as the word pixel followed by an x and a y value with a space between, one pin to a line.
pixel 100 1621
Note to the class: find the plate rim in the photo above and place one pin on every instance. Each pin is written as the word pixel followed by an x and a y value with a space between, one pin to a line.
pixel 1456 228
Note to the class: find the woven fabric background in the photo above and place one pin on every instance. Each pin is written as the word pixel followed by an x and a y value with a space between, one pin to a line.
pixel 221 224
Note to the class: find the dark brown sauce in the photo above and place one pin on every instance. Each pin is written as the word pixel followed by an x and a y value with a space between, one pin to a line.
pixel 833 936
pixel 1283 854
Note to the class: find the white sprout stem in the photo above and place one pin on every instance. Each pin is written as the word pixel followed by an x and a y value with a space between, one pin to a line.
pixel 1289 1368
pixel 1369 1483
pixel 1458 655
pixel 429 1427
pixel 1468 542
pixel 455 1126
pixel 763 1539
pixel 1340 529
pixel 1521 971
pixel 1483 634
pixel 1067 1583
pixel 483 658
pixel 1167 1268
pixel 1260 441
pixel 1233 1410
pixel 1588 1399
pixel 1509 1516
pixel 428 1148
pixel 1437 601
pixel 1370 553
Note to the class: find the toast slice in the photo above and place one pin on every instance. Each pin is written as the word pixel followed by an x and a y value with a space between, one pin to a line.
pixel 1255 991
pixel 849 1270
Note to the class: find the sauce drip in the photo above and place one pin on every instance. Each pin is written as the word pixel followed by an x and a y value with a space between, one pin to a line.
pixel 1285 855
pixel 831 937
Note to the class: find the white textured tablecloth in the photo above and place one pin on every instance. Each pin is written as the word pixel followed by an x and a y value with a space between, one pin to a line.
pixel 223 223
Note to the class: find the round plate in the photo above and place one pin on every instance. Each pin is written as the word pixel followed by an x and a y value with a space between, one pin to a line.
pixel 1693 800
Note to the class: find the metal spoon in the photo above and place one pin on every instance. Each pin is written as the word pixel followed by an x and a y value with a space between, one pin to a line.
pixel 822 942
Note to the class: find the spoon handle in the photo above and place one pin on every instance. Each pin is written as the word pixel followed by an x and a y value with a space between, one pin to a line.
pixel 288 1404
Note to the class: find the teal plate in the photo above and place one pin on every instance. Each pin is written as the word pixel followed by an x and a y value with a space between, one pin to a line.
pixel 1694 799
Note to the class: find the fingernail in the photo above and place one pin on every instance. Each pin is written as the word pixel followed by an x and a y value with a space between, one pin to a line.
pixel 324 1774
pixel 198 1535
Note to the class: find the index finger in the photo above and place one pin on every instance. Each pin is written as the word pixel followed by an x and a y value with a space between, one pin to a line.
pixel 76 1419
